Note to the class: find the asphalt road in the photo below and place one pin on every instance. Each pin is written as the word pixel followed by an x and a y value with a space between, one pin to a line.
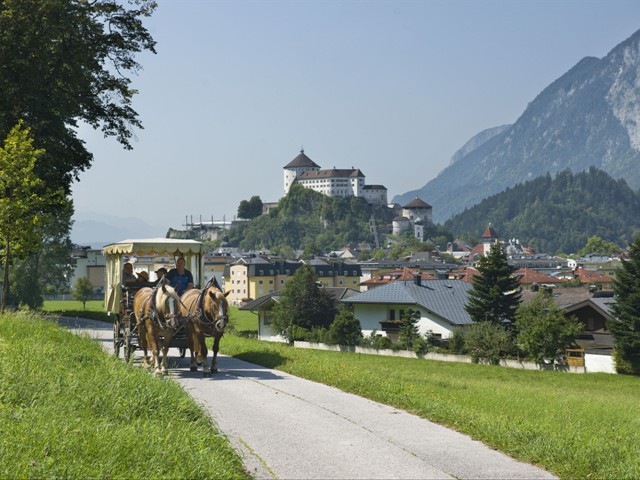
pixel 285 427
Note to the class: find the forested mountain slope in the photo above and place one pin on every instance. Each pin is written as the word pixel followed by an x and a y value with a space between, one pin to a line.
pixel 557 214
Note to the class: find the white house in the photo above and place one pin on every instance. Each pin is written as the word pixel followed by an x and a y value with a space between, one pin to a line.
pixel 439 302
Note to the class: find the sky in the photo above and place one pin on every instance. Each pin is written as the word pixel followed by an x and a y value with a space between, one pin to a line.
pixel 393 88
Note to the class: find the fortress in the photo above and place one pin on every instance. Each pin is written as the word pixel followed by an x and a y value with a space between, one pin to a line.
pixel 332 182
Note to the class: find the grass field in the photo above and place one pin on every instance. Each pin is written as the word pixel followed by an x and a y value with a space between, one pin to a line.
pixel 69 410
pixel 574 425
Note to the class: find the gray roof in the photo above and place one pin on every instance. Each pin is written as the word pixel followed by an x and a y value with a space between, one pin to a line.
pixel 445 298
pixel 301 161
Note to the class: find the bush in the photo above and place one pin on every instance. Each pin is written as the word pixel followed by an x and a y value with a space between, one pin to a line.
pixel 487 341
pixel 345 329
pixel 456 341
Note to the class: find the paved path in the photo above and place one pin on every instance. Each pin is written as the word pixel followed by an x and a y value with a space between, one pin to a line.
pixel 286 427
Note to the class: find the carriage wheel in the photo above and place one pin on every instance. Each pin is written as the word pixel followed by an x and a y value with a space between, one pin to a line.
pixel 128 348
pixel 116 337
pixel 183 351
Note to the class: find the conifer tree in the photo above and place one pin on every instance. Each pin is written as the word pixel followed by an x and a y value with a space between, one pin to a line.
pixel 626 328
pixel 495 295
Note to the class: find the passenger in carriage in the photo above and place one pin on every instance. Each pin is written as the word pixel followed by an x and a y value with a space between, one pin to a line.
pixel 143 276
pixel 160 273
pixel 128 277
pixel 180 278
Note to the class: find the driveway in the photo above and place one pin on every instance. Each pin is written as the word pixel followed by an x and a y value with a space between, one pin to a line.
pixel 285 427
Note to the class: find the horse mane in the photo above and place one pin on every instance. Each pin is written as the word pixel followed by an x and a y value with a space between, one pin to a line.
pixel 164 293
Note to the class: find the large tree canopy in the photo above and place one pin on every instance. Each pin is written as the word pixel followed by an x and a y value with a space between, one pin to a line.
pixel 66 61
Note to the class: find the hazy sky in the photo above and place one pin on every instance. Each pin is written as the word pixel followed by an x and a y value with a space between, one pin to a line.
pixel 391 87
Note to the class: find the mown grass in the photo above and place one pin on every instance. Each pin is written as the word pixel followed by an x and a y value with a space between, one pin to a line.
pixel 94 309
pixel 573 425
pixel 70 410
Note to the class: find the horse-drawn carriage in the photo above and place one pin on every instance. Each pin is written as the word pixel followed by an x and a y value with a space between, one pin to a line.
pixel 153 253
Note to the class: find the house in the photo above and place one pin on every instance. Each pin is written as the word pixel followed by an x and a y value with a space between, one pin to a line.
pixel 253 277
pixel 263 306
pixel 534 280
pixel 439 302
pixel 89 263
pixel 591 308
pixel 394 276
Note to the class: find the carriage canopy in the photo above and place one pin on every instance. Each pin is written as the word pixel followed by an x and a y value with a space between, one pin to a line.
pixel 116 253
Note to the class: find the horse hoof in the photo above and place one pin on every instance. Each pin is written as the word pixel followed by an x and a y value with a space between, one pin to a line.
pixel 194 369
pixel 214 370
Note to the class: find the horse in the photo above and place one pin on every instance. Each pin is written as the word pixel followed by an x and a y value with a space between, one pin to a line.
pixel 207 313
pixel 157 311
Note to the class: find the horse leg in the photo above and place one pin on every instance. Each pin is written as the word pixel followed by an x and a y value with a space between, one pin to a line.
pixel 216 347
pixel 202 354
pixel 191 342
pixel 142 339
pixel 168 335
pixel 154 343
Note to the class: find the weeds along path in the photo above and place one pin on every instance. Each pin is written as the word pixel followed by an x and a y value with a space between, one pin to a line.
pixel 286 427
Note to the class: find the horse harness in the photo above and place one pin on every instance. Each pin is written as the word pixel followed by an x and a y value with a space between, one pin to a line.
pixel 201 314
pixel 153 314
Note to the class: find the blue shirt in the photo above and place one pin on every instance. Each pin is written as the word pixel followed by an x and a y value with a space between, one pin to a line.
pixel 179 282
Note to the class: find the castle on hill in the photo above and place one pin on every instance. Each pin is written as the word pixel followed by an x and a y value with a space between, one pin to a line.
pixel 334 182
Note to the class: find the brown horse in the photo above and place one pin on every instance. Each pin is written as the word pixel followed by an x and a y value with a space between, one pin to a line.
pixel 207 312
pixel 157 311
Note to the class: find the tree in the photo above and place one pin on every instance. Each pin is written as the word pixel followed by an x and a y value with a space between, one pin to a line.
pixel 49 267
pixel 302 306
pixel 495 295
pixel 409 328
pixel 626 327
pixel 64 62
pixel 544 331
pixel 251 208
pixel 346 328
pixel 23 203
pixel 83 291
pixel 595 244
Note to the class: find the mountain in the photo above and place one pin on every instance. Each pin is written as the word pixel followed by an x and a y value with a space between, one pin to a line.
pixel 476 141
pixel 557 214
pixel 96 230
pixel 588 117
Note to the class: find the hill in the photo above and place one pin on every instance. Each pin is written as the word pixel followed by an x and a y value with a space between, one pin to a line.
pixel 590 116
pixel 305 219
pixel 557 214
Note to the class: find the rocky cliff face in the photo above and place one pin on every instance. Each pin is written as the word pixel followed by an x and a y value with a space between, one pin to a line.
pixel 588 117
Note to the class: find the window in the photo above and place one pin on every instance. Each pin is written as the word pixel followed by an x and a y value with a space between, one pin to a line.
pixel 392 314
pixel 270 282
pixel 260 282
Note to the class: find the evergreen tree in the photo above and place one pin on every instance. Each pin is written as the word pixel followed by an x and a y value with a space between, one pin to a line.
pixel 409 328
pixel 346 328
pixel 302 306
pixel 626 328
pixel 495 295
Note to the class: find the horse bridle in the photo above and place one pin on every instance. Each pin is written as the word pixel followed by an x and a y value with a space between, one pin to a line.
pixel 202 317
